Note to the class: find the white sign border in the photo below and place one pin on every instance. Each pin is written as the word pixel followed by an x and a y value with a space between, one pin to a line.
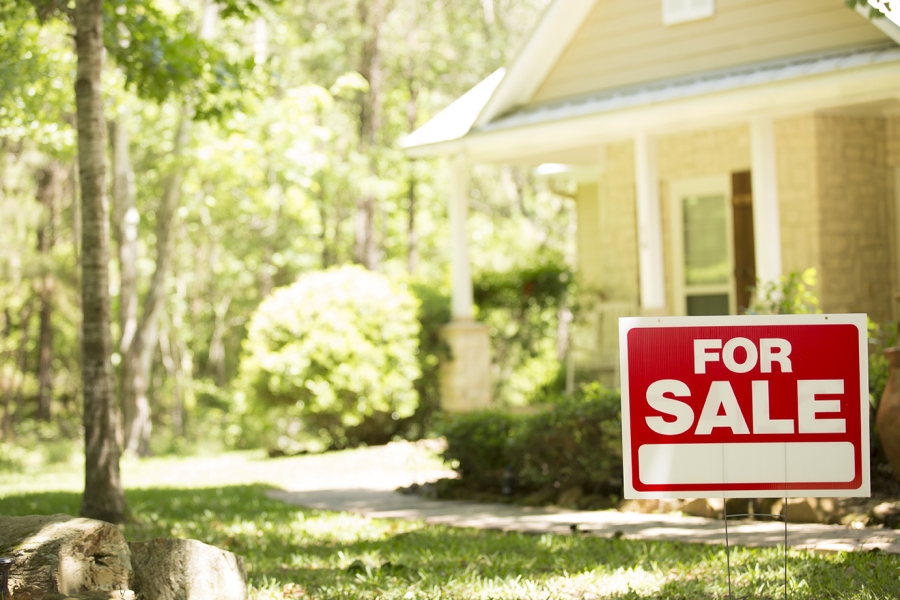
pixel 857 319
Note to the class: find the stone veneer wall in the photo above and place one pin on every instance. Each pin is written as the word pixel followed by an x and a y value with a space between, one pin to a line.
pixel 798 196
pixel 617 228
pixel 856 216
pixel 588 235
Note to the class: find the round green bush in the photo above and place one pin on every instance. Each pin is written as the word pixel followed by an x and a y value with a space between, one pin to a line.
pixel 335 351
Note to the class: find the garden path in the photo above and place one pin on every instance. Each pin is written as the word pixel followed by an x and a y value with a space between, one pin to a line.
pixel 364 481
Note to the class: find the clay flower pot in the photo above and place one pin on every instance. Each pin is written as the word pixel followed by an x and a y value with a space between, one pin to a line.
pixel 887 420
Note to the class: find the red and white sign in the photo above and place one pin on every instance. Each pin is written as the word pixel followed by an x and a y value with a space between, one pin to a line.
pixel 749 406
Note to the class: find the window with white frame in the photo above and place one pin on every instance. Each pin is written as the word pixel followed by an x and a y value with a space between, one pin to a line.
pixel 702 244
pixel 682 11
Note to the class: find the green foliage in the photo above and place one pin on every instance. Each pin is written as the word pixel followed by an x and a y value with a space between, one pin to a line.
pixel 480 445
pixel 880 337
pixel 271 188
pixel 575 441
pixel 792 294
pixel 434 313
pixel 337 347
pixel 521 308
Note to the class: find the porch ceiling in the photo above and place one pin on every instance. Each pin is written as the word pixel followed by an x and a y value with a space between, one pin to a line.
pixel 569 131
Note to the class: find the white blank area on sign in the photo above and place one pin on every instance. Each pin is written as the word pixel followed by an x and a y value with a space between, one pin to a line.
pixel 773 463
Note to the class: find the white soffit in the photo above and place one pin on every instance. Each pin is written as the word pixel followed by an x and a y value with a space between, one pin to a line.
pixel 456 120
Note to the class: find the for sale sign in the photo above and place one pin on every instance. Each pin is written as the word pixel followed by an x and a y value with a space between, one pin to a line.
pixel 750 406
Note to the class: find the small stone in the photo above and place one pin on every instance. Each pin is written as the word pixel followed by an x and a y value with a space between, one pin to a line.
pixel 700 507
pixel 799 510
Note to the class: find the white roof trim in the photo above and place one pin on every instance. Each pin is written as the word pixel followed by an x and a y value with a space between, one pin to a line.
pixel 697 85
pixel 853 81
pixel 456 120
pixel 528 70
pixel 887 25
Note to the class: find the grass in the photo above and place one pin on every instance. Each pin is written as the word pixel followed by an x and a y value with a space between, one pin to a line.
pixel 299 553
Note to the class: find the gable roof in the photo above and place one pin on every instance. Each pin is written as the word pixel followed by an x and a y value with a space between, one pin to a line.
pixel 501 100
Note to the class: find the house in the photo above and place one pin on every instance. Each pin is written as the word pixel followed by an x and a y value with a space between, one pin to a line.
pixel 713 142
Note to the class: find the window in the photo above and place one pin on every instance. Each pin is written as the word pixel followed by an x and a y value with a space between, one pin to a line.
pixel 702 244
pixel 682 11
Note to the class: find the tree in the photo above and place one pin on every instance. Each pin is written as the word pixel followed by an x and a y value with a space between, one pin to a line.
pixel 104 497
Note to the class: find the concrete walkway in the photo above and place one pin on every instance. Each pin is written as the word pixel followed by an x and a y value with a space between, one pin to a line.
pixel 382 470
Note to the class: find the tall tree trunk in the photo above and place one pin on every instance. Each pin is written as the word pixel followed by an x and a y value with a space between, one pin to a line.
pixel 103 496
pixel 7 377
pixel 216 343
pixel 49 179
pixel 138 358
pixel 371 17
pixel 412 115
pixel 125 219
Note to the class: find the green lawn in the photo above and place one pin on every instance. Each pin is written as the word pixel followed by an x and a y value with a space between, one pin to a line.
pixel 298 553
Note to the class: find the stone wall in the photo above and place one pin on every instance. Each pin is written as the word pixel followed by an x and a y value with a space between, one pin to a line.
pixel 798 189
pixel 617 227
pixel 588 236
pixel 856 216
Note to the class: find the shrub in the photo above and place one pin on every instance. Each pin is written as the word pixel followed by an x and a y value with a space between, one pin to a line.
pixel 480 445
pixel 333 357
pixel 434 313
pixel 793 294
pixel 521 308
pixel 575 441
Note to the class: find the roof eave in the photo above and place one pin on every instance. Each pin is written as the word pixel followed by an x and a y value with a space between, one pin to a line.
pixel 783 98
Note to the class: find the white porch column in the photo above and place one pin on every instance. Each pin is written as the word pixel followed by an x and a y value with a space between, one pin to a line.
pixel 466 373
pixel 764 179
pixel 460 271
pixel 650 245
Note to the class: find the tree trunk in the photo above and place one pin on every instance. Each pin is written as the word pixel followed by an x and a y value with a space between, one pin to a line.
pixel 22 361
pixel 138 358
pixel 103 496
pixel 49 180
pixel 371 17
pixel 125 219
pixel 216 343
pixel 412 115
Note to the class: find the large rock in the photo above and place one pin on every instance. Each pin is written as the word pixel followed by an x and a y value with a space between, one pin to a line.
pixel 174 569
pixel 64 555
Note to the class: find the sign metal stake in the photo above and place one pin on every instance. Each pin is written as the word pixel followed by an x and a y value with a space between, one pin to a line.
pixel 783 518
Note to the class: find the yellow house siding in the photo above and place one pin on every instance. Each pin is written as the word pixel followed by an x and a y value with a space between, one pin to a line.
pixel 588 235
pixel 795 150
pixel 624 43
pixel 856 216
